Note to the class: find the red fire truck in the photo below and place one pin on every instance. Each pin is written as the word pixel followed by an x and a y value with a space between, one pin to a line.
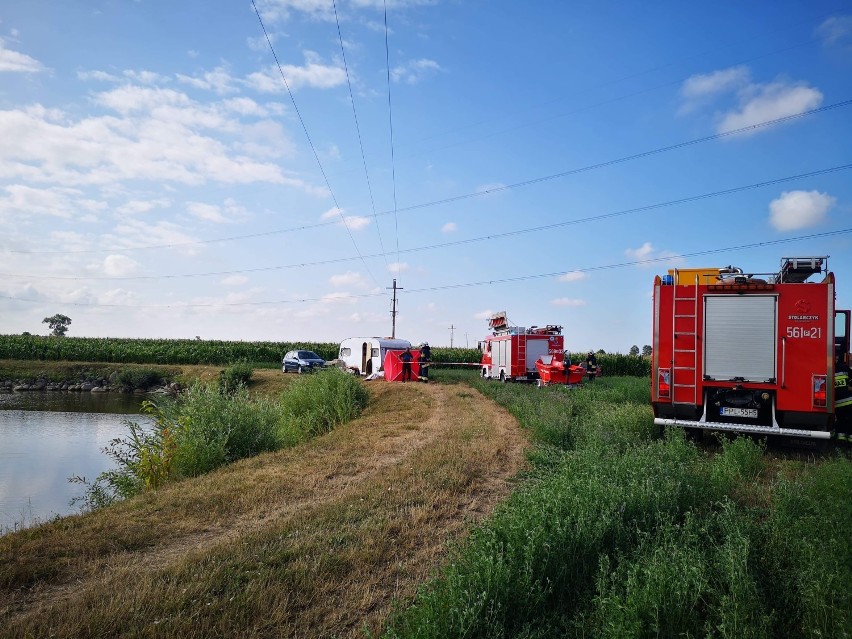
pixel 753 353
pixel 510 352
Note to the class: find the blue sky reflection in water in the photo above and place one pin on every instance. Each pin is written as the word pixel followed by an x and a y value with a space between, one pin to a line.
pixel 40 449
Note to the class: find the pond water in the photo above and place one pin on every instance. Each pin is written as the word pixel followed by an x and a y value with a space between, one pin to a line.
pixel 45 438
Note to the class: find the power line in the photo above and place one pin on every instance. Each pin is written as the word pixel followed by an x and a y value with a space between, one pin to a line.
pixel 482 238
pixel 357 126
pixel 310 141
pixel 554 176
pixel 390 124
pixel 654 260
pixel 506 280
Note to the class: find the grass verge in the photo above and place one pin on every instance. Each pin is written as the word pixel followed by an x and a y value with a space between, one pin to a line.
pixel 312 541
pixel 625 531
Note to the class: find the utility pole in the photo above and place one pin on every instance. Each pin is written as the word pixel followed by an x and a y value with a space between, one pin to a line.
pixel 393 308
pixel 452 328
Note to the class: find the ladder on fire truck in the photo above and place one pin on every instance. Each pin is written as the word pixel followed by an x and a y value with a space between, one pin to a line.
pixel 522 352
pixel 685 343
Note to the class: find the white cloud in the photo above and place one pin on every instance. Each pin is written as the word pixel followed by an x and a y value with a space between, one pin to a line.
pixel 312 74
pixel 245 106
pixel 119 265
pixel 132 233
pixel 567 301
pixel 333 212
pixel 652 257
pixel 279 10
pixel 219 80
pixel 835 29
pixel 159 135
pixel 770 102
pixel 101 76
pixel 756 103
pixel 799 209
pixel 235 280
pixel 274 11
pixel 708 84
pixel 207 212
pixel 136 207
pixel 333 152
pixel 28 201
pixel 134 99
pixel 349 278
pixel 356 222
pixel 228 213
pixel 483 315
pixel 258 43
pixel 398 267
pixel 449 227
pixel 144 77
pixel 642 253
pixel 118 297
pixel 413 71
pixel 572 276
pixel 16 62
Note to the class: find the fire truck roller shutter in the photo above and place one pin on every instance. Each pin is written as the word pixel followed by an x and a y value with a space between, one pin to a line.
pixel 740 337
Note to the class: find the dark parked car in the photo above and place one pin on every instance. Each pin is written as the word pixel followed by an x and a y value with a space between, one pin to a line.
pixel 301 362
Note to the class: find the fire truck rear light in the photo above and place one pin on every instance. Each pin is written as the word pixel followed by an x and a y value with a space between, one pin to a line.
pixel 664 386
pixel 819 390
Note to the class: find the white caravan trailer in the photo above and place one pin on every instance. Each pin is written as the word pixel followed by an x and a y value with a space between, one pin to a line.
pixel 366 355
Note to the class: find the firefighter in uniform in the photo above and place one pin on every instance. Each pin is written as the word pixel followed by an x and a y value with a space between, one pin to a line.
pixel 591 366
pixel 406 358
pixel 425 358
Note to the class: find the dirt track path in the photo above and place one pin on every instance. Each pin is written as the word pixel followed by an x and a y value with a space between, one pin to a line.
pixel 361 516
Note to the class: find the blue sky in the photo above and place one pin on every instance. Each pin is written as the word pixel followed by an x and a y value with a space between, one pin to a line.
pixel 157 179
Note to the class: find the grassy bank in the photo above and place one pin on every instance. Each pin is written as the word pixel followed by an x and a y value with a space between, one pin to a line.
pixel 625 531
pixel 213 424
pixel 312 541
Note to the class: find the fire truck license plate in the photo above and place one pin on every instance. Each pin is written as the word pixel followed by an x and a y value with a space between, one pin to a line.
pixel 738 412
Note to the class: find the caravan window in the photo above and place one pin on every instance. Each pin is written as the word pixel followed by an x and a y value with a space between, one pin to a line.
pixel 345 352
pixel 375 352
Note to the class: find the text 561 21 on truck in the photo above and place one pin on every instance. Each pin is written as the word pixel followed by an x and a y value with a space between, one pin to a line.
pixel 753 353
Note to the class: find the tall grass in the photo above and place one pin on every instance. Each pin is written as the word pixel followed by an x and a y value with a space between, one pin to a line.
pixel 624 531
pixel 205 428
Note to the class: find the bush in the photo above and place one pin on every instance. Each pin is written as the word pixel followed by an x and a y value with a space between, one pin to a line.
pixel 235 376
pixel 132 379
pixel 205 428
pixel 317 403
